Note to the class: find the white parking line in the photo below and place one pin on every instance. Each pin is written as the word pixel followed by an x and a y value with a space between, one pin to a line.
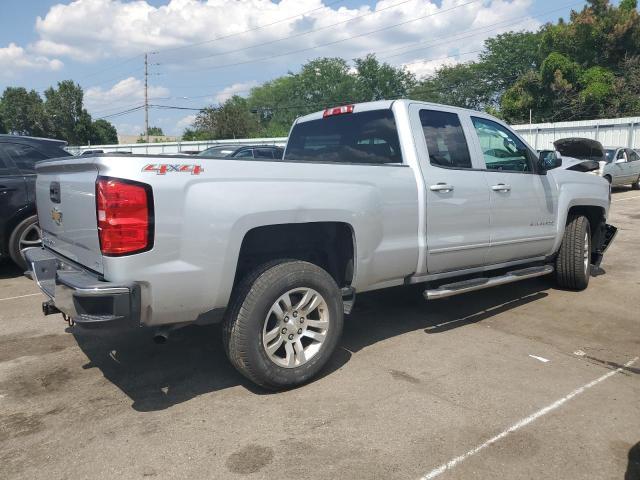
pixel 542 359
pixel 522 423
pixel 20 296
pixel 623 199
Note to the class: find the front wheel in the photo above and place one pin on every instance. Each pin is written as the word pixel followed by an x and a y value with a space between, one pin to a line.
pixel 573 264
pixel 283 323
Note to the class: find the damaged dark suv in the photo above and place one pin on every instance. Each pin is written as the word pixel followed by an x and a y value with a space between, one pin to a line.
pixel 18 219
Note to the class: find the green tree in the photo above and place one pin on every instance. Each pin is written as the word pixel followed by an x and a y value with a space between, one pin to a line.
pixel 463 85
pixel 64 108
pixel 276 105
pixel 626 100
pixel 156 131
pixel 600 34
pixel 506 57
pixel 22 112
pixel 232 119
pixel 103 133
pixel 379 81
pixel 191 134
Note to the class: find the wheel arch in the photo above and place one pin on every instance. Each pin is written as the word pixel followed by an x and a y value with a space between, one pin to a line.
pixel 13 221
pixel 329 245
pixel 597 222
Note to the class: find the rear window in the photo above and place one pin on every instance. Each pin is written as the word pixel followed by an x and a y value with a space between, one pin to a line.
pixel 217 152
pixel 24 157
pixel 367 137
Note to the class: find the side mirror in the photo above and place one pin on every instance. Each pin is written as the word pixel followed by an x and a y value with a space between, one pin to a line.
pixel 548 160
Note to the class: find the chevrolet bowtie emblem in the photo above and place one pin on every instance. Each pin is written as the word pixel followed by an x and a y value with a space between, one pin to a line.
pixel 56 216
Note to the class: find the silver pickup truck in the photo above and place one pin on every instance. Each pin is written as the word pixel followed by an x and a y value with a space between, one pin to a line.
pixel 367 196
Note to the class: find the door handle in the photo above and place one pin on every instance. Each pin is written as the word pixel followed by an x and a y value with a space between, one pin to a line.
pixel 441 187
pixel 501 187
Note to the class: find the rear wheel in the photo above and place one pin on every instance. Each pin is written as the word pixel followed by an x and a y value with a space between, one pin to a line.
pixel 283 323
pixel 636 185
pixel 573 264
pixel 26 234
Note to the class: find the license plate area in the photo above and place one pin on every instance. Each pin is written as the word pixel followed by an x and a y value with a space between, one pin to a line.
pixel 44 273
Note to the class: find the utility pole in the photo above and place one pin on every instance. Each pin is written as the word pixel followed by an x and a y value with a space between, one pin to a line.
pixel 146 97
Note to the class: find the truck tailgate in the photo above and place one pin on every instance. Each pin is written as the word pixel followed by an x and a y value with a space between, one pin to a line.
pixel 65 198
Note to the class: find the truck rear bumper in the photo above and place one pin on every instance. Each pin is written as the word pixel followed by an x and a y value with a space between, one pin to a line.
pixel 80 294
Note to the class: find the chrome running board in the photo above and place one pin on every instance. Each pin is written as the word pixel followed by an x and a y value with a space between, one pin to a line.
pixel 465 286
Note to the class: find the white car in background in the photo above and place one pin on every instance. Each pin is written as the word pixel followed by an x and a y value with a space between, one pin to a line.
pixel 621 167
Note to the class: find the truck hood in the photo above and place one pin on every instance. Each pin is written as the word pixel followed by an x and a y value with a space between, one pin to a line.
pixel 580 148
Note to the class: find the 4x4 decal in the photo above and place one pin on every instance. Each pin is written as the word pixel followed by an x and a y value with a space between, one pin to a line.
pixel 163 168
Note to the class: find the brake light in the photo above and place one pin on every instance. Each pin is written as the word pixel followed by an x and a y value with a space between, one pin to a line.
pixel 125 216
pixel 337 110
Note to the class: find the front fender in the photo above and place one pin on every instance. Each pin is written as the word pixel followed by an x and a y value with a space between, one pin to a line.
pixel 577 189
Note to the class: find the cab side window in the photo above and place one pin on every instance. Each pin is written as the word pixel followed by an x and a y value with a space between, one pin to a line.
pixel 502 150
pixel 621 155
pixel 248 153
pixel 633 156
pixel 445 139
pixel 263 153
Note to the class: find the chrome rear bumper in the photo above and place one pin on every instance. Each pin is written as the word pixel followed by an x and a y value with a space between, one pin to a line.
pixel 79 293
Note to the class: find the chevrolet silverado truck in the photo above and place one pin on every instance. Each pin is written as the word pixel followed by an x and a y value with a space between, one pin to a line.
pixel 367 196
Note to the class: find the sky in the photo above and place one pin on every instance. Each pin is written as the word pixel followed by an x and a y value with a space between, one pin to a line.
pixel 203 51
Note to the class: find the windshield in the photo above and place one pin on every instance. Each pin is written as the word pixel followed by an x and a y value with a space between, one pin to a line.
pixel 217 152
pixel 609 154
pixel 367 137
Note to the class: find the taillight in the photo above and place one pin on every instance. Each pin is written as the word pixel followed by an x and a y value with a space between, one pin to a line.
pixel 337 110
pixel 125 216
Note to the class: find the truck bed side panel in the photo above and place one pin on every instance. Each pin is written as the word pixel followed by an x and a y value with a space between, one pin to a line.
pixel 202 219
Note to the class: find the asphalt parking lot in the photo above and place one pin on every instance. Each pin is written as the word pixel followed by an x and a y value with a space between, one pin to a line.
pixel 522 381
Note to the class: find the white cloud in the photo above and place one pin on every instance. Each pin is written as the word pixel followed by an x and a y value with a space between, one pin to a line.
pixel 185 122
pixel 241 89
pixel 127 92
pixel 128 28
pixel 15 59
pixel 427 68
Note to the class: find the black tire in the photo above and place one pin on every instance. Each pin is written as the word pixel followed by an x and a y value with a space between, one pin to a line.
pixel 571 272
pixel 636 185
pixel 246 315
pixel 14 240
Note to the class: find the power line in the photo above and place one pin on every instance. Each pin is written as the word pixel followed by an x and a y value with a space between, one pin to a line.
pixel 266 25
pixel 479 31
pixel 455 37
pixel 388 27
pixel 125 112
pixel 484 30
pixel 301 34
pixel 140 55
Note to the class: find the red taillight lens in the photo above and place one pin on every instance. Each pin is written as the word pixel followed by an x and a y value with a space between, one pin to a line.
pixel 337 110
pixel 124 216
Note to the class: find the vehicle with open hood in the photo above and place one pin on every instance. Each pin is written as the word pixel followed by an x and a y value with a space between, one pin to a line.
pixel 619 166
